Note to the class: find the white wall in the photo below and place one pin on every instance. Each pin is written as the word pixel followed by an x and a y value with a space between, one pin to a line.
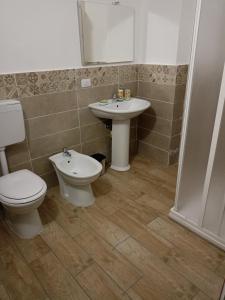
pixel 161 25
pixel 38 35
pixel 168 27
pixel 186 31
pixel 43 35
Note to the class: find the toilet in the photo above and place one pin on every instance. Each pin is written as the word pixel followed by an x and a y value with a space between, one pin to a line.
pixel 21 192
pixel 76 172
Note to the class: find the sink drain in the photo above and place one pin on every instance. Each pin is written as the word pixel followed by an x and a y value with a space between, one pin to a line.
pixel 74 173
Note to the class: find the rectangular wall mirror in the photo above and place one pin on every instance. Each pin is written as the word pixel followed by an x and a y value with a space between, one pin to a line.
pixel 106 32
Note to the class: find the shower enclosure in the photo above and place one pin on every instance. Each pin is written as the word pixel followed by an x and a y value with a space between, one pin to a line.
pixel 200 198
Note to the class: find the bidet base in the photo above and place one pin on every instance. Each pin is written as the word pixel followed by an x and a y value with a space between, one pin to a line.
pixel 81 196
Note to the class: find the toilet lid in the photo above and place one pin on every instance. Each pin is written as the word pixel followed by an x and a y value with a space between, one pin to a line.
pixel 20 185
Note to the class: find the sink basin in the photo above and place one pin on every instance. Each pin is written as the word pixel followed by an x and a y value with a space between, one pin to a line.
pixel 120 110
pixel 120 113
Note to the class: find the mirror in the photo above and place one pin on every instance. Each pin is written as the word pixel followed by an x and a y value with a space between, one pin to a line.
pixel 106 32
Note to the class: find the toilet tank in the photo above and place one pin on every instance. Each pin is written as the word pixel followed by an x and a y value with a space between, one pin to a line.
pixel 12 128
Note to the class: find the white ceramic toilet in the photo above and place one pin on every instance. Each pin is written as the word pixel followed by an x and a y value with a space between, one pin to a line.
pixel 76 172
pixel 21 192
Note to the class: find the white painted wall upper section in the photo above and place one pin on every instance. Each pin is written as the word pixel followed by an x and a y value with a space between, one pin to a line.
pixel 186 31
pixel 38 35
pixel 161 24
pixel 44 34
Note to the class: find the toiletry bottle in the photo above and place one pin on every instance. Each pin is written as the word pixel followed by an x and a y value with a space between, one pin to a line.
pixel 127 94
pixel 120 94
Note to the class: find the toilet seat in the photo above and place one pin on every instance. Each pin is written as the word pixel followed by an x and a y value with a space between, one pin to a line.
pixel 21 187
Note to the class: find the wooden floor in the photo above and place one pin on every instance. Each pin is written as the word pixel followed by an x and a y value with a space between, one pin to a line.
pixel 123 247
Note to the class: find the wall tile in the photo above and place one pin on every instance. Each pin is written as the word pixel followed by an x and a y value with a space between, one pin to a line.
pixel 50 100
pixel 154 138
pixel 156 91
pixel 161 109
pixel 159 74
pixel 133 86
pixel 53 143
pixel 48 104
pixel 45 125
pixel 175 142
pixel 128 73
pixel 159 125
pixel 87 117
pixel 92 132
pixel 154 153
pixel 91 95
pixel 99 76
pixel 17 154
pixel 101 145
pixel 8 89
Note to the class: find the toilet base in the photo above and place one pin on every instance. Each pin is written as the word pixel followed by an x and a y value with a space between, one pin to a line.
pixel 81 196
pixel 26 226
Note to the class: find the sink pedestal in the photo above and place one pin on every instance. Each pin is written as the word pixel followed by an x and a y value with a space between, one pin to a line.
pixel 120 145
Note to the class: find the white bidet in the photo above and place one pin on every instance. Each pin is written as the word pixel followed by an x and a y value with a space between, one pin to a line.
pixel 75 173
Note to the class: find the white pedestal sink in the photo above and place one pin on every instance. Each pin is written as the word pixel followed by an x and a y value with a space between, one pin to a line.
pixel 120 113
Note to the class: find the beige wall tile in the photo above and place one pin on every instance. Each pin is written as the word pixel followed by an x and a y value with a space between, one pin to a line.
pixel 50 179
pixel 94 131
pixel 42 126
pixel 159 125
pixel 101 145
pixel 156 91
pixel 128 73
pixel 161 109
pixel 151 152
pixel 180 93
pixel 177 126
pixel 22 166
pixel 91 95
pixel 175 142
pixel 8 88
pixel 154 139
pixel 99 76
pixel 87 117
pixel 53 143
pixel 159 74
pixel 17 154
pixel 133 86
pixel 48 104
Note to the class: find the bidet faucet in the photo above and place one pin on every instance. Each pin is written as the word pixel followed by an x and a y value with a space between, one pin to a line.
pixel 66 152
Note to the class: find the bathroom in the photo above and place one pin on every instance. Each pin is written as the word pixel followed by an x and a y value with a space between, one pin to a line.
pixel 140 85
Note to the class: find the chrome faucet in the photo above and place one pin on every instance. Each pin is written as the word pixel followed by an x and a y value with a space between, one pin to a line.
pixel 66 152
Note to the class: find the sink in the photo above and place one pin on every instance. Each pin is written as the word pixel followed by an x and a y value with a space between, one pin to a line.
pixel 120 110
pixel 120 113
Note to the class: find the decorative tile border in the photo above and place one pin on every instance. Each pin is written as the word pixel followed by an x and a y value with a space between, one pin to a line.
pixel 163 74
pixel 49 82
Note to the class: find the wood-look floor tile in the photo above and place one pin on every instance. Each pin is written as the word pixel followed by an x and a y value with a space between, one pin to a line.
pixel 112 262
pixel 17 278
pixel 202 296
pixel 146 290
pixel 189 244
pixel 31 249
pixel 102 225
pixel 56 281
pixel 98 285
pixel 63 215
pixel 3 293
pixel 71 255
pixel 123 247
pixel 157 272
